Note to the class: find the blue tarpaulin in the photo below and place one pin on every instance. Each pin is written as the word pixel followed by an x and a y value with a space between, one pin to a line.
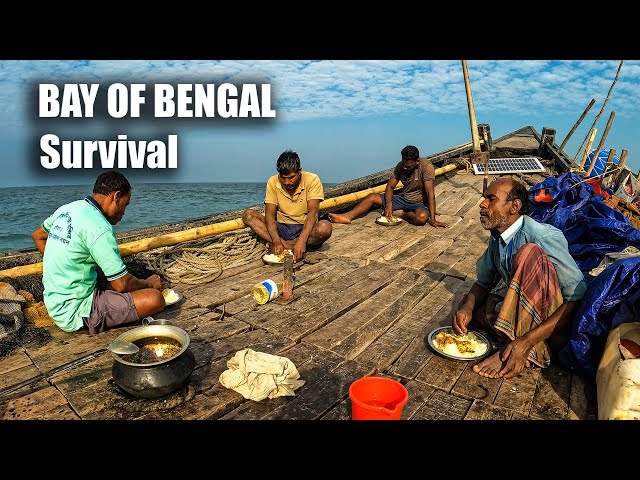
pixel 612 298
pixel 592 229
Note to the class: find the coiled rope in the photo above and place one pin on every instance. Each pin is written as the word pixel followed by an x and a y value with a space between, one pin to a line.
pixel 203 260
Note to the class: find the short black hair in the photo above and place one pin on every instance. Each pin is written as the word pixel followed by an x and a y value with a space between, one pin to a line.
pixel 288 162
pixel 410 152
pixel 519 192
pixel 112 181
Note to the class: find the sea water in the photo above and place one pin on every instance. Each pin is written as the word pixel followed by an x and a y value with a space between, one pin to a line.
pixel 23 209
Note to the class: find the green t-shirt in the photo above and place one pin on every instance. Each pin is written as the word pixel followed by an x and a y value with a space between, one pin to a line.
pixel 79 239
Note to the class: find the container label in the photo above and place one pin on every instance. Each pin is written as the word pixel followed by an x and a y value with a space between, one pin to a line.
pixel 272 289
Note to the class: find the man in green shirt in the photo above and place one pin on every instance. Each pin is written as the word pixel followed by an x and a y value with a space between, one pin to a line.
pixel 76 240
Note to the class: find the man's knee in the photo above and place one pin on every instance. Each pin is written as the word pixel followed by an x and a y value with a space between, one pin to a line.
pixel 374 198
pixel 527 251
pixel 421 216
pixel 248 215
pixel 148 301
pixel 324 229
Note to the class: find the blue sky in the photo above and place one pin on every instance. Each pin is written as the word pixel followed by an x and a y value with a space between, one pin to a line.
pixel 346 118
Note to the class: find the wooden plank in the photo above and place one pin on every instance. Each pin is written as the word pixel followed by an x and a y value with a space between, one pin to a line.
pixel 360 246
pixel 551 401
pixel 37 405
pixel 384 351
pixel 441 373
pixel 99 398
pixel 481 410
pixel 402 241
pixel 16 361
pixel 217 293
pixel 357 342
pixel 300 325
pixel 517 393
pixel 423 252
pixel 419 394
pixel 583 402
pixel 202 320
pixel 342 411
pixel 311 363
pixel 349 334
pixel 323 290
pixel 473 386
pixel 337 267
pixel 443 406
pixel 15 377
pixel 456 201
pixel 308 359
pixel 417 353
pixel 473 202
pixel 318 398
pixel 65 347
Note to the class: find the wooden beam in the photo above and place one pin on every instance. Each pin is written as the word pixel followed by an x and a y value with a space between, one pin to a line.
pixel 475 139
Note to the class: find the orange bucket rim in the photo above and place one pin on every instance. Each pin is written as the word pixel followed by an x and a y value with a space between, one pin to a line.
pixel 391 381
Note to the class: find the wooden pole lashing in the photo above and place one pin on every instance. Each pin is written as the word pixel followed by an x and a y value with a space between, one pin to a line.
pixel 601 144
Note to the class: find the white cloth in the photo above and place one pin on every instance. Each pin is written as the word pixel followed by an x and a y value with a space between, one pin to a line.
pixel 257 375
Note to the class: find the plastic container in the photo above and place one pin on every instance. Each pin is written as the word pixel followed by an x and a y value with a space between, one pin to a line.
pixel 377 398
pixel 266 290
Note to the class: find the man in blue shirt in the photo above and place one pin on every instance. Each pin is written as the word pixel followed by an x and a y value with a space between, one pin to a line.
pixel 542 284
pixel 76 239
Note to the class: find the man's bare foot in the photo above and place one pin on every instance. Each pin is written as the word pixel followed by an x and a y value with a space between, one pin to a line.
pixel 339 218
pixel 490 367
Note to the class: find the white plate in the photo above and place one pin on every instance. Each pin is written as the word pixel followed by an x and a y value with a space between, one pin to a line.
pixel 174 301
pixel 268 259
pixel 381 220
pixel 479 336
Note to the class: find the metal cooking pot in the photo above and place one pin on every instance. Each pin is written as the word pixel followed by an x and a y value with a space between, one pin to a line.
pixel 156 379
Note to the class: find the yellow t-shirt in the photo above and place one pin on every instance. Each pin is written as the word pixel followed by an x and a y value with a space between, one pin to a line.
pixel 293 209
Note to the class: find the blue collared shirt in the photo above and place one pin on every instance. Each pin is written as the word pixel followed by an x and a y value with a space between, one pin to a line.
pixel 496 261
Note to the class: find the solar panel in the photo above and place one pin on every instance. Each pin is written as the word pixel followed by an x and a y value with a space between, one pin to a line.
pixel 510 165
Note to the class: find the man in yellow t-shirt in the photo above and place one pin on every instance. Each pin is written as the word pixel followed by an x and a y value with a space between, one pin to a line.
pixel 291 206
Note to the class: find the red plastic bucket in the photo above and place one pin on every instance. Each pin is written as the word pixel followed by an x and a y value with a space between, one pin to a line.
pixel 377 398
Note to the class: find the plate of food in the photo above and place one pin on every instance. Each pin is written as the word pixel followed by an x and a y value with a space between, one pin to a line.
pixel 473 345
pixel 272 259
pixel 388 221
pixel 171 297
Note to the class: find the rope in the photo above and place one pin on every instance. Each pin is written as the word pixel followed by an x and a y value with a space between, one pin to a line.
pixel 462 163
pixel 203 260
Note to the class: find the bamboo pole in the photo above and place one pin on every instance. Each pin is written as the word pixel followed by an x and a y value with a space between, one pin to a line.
pixel 592 136
pixel 586 110
pixel 623 159
pixel 612 154
pixel 601 144
pixel 475 138
pixel 595 120
pixel 174 238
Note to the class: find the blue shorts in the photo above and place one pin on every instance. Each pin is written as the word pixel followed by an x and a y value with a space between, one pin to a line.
pixel 400 203
pixel 289 231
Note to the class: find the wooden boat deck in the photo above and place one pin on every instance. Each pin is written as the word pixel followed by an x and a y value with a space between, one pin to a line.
pixel 363 304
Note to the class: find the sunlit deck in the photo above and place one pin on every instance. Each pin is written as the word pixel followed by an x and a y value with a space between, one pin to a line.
pixel 363 304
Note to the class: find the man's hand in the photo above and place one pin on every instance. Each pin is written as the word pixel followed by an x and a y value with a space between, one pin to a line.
pixel 156 282
pixel 437 224
pixel 299 249
pixel 515 356
pixel 461 319
pixel 277 248
pixel 388 211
